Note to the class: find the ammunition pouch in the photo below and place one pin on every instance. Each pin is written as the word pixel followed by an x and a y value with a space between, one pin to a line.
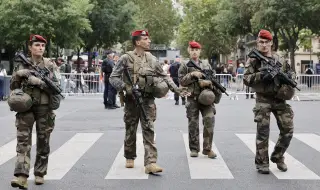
pixel 145 83
pixel 54 101
pixel 34 93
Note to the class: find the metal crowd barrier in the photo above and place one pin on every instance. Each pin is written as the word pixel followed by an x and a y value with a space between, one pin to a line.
pixel 92 84
pixel 309 86
pixel 74 84
pixel 6 87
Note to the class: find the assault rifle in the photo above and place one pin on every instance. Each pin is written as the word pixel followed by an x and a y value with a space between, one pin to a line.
pixel 136 94
pixel 274 68
pixel 42 74
pixel 208 75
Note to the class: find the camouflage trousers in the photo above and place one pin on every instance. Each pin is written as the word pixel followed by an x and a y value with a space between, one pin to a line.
pixel 132 115
pixel 44 119
pixel 284 117
pixel 192 109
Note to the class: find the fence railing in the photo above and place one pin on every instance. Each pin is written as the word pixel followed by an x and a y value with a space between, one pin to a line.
pixel 93 84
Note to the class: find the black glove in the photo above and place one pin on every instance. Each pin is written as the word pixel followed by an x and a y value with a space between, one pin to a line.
pixel 136 92
pixel 265 74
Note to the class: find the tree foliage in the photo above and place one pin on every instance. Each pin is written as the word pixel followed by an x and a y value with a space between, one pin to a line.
pixel 199 24
pixel 234 17
pixel 288 19
pixel 159 18
pixel 52 19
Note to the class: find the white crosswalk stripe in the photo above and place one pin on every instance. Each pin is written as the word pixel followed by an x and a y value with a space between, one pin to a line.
pixel 8 151
pixel 62 160
pixel 310 139
pixel 118 170
pixel 67 156
pixel 296 169
pixel 204 168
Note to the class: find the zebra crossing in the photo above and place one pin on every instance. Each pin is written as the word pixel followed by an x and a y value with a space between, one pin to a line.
pixel 66 156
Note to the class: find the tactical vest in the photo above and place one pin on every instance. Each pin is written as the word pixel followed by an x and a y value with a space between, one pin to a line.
pixel 194 87
pixel 272 88
pixel 38 95
pixel 142 70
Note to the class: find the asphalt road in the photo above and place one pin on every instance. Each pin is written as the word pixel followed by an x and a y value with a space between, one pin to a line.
pixel 87 154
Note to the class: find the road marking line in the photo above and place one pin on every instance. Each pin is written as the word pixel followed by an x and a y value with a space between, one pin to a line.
pixel 203 167
pixel 118 169
pixel 62 160
pixel 8 151
pixel 296 170
pixel 311 140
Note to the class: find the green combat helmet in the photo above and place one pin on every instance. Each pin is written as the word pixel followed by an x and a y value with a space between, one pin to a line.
pixel 206 97
pixel 285 92
pixel 19 101
pixel 161 88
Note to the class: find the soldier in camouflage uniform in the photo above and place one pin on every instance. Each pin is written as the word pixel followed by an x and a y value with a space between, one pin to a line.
pixel 40 112
pixel 139 63
pixel 191 78
pixel 270 97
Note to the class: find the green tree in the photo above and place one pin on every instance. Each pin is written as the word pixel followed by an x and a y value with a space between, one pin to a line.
pixel 111 22
pixel 199 24
pixel 159 18
pixel 288 19
pixel 52 19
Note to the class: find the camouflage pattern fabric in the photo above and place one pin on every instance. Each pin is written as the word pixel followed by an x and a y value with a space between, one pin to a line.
pixel 284 117
pixel 44 119
pixel 267 102
pixel 132 115
pixel 119 81
pixel 40 112
pixel 193 107
pixel 192 110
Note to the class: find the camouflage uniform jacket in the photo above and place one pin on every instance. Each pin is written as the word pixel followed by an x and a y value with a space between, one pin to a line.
pixel 146 62
pixel 186 79
pixel 252 77
pixel 40 95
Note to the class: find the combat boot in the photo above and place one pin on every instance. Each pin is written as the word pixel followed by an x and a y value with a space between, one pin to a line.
pixel 280 164
pixel 21 182
pixel 129 163
pixel 194 154
pixel 152 168
pixel 210 154
pixel 39 180
pixel 177 103
pixel 183 102
pixel 263 170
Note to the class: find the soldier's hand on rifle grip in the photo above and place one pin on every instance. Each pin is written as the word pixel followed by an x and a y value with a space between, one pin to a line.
pixel 136 92
pixel 24 73
pixel 197 74
pixel 32 80
pixel 265 74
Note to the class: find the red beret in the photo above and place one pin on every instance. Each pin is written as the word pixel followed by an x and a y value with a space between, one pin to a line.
pixel 140 33
pixel 265 34
pixel 194 44
pixel 37 38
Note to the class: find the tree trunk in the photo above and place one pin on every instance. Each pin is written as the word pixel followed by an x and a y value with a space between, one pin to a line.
pixel 292 60
pixel 11 54
pixel 275 41
pixel 89 57
pixel 49 49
